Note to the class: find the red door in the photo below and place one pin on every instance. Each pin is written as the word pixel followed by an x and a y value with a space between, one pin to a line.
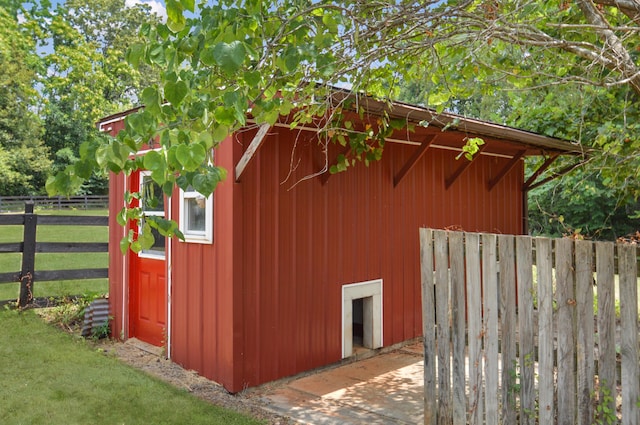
pixel 147 270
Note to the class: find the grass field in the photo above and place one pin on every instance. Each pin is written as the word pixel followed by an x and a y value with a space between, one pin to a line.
pixel 11 262
pixel 51 377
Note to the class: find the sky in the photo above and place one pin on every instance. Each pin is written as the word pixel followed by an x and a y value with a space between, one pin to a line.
pixel 157 6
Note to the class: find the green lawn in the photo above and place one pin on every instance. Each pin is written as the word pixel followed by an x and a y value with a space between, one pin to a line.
pixel 51 377
pixel 10 262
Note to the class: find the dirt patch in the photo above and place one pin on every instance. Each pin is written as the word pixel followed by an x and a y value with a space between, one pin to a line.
pixel 188 380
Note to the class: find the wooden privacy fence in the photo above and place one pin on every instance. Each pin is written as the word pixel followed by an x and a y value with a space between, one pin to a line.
pixel 512 334
pixel 83 202
pixel 28 247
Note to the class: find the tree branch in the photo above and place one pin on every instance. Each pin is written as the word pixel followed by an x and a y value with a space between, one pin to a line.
pixel 623 62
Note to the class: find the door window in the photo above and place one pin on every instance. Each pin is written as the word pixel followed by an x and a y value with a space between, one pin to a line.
pixel 152 204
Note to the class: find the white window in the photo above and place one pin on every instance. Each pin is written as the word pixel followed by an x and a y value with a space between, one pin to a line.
pixel 196 216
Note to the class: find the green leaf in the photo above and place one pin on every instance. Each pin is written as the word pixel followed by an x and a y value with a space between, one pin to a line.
pixel 205 139
pixel 175 92
pixel 167 188
pixel 121 217
pixel 151 99
pixel 191 156
pixel 63 183
pixel 206 183
pixel 220 132
pixel 252 78
pixel 229 56
pixel 134 54
pixel 156 55
pixel 83 169
pixel 292 58
pixel 125 242
pixel 175 19
pixel 190 5
pixel 225 115
pixel 136 246
pixel 145 238
pixel 207 56
pixel 153 161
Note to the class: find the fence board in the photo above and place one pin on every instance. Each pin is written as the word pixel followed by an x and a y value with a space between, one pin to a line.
pixel 565 382
pixel 71 247
pixel 629 350
pixel 11 247
pixel 526 358
pixel 490 322
pixel 442 327
pixel 12 219
pixel 456 244
pixel 52 275
pixel 606 321
pixel 506 251
pixel 585 330
pixel 544 268
pixel 474 319
pixel 565 296
pixel 16 203
pixel 428 326
pixel 50 247
pixel 62 220
pixel 11 277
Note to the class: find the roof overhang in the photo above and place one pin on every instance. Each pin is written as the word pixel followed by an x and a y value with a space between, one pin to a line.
pixel 535 144
pixel 454 129
pixel 442 130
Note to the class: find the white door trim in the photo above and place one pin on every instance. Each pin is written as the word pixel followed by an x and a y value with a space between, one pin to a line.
pixel 371 291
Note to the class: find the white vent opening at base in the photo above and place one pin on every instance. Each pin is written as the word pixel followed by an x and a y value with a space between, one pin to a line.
pixel 370 292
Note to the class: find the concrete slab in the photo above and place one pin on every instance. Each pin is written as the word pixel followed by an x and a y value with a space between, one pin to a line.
pixel 384 389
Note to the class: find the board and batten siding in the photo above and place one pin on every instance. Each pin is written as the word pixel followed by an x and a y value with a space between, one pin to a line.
pixel 118 266
pixel 263 301
pixel 202 296
pixel 298 241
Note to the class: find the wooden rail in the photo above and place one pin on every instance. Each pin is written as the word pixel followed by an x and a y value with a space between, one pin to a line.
pixel 84 202
pixel 29 247
pixel 514 338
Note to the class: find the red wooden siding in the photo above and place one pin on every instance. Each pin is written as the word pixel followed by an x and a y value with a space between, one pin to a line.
pixel 118 267
pixel 296 246
pixel 202 303
pixel 264 300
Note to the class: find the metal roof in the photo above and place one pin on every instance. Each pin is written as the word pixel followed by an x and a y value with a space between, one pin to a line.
pixel 451 121
pixel 444 120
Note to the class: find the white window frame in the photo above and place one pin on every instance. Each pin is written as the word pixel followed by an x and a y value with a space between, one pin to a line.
pixel 203 237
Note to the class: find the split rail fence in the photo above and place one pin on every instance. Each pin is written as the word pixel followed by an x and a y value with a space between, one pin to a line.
pixel 82 202
pixel 27 276
pixel 512 334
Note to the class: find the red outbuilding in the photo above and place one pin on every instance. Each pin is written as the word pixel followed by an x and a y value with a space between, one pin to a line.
pixel 286 268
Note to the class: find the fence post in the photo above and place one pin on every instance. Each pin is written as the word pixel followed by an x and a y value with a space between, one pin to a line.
pixel 28 254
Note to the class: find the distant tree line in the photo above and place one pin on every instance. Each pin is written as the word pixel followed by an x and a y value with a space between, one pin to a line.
pixel 61 69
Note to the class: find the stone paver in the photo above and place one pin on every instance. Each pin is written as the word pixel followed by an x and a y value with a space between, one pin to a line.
pixel 385 389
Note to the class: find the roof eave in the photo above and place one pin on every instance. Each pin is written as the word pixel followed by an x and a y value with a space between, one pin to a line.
pixel 417 114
